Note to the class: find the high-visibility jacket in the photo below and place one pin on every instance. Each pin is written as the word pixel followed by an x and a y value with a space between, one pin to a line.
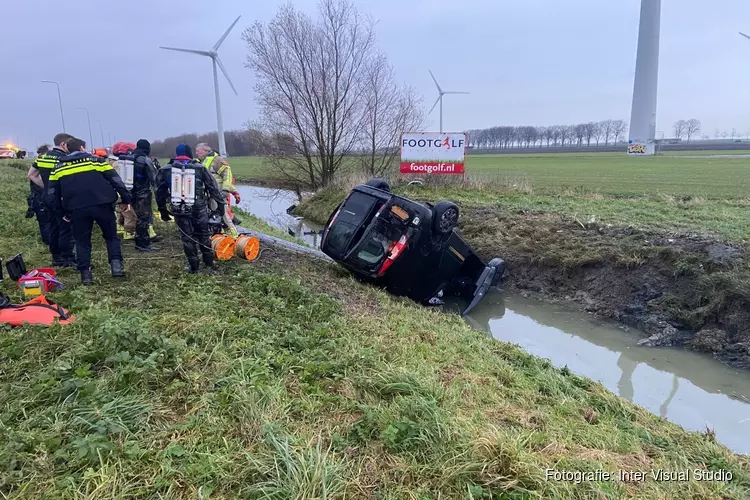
pixel 83 180
pixel 47 162
pixel 221 172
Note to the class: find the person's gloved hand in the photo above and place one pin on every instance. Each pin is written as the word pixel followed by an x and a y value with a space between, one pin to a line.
pixel 165 215
pixel 237 197
pixel 29 213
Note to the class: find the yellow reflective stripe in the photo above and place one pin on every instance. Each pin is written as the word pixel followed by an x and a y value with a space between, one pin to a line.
pixel 209 160
pixel 77 168
pixel 46 162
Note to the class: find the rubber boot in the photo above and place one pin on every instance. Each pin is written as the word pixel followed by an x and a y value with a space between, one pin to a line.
pixel 193 265
pixel 208 259
pixel 155 238
pixel 87 278
pixel 147 249
pixel 118 271
pixel 129 236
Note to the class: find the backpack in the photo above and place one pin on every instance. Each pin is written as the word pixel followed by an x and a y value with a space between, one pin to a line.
pixel 125 168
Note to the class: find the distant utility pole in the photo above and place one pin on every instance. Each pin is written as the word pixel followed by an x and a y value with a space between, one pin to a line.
pixel 59 100
pixel 91 137
pixel 643 114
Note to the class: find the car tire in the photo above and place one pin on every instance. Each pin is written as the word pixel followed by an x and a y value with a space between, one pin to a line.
pixel 445 217
pixel 499 265
pixel 379 184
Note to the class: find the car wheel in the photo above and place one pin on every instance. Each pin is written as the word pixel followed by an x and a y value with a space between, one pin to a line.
pixel 379 184
pixel 499 265
pixel 446 217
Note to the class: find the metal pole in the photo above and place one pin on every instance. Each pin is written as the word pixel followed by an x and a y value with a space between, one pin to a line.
pixel 643 114
pixel 110 138
pixel 222 145
pixel 441 113
pixel 101 131
pixel 59 100
pixel 91 136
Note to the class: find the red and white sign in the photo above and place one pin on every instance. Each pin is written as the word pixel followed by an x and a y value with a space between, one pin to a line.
pixel 432 153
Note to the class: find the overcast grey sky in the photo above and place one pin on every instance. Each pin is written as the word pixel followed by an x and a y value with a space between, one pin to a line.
pixel 537 62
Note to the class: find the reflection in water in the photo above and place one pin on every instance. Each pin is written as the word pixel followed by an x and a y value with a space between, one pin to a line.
pixel 625 385
pixel 688 388
pixel 271 205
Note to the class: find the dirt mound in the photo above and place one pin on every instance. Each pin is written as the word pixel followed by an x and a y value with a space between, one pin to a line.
pixel 668 286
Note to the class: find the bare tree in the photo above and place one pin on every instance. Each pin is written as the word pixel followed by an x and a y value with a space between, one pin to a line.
pixel 607 129
pixel 680 128
pixel 312 85
pixel 618 129
pixel 692 127
pixel 734 133
pixel 598 132
pixel 389 111
pixel 564 133
pixel 589 130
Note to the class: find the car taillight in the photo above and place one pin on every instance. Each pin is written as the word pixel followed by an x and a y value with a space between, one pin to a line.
pixel 328 229
pixel 396 250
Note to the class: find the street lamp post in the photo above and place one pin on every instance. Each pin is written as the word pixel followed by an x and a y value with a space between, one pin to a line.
pixel 91 137
pixel 101 131
pixel 59 99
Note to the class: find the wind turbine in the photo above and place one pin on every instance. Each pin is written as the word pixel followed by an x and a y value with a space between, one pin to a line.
pixel 643 111
pixel 214 55
pixel 441 93
pixel 746 36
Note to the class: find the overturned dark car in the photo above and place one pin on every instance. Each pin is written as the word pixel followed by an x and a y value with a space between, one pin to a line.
pixel 408 248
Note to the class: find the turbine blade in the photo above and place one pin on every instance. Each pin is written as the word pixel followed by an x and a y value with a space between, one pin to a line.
pixel 226 75
pixel 436 103
pixel 435 80
pixel 746 36
pixel 190 51
pixel 224 36
pixel 454 92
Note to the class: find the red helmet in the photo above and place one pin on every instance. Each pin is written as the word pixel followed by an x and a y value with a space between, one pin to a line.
pixel 101 153
pixel 123 148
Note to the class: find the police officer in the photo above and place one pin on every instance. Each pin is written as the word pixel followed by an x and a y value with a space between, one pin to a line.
pixel 35 201
pixel 143 182
pixel 190 212
pixel 85 188
pixel 221 171
pixel 60 231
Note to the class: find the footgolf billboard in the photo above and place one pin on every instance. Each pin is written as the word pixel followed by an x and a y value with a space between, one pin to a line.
pixel 432 153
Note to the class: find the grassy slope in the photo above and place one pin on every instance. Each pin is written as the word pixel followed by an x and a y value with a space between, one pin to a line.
pixel 604 173
pixel 304 385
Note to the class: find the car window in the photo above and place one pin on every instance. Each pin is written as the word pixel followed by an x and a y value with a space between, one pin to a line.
pixel 356 208
pixel 373 251
pixel 338 237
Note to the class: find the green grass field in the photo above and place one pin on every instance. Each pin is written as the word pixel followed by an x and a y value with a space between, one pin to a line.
pixel 604 173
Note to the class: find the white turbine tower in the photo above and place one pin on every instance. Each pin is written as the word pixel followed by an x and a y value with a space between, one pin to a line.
pixel 214 55
pixel 643 114
pixel 441 93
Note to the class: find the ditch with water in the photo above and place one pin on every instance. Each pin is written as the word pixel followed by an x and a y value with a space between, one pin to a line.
pixel 687 388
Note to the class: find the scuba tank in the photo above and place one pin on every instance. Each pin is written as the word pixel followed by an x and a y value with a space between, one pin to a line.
pixel 182 189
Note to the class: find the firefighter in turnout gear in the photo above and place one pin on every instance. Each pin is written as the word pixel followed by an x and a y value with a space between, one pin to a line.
pixel 36 205
pixel 144 179
pixel 61 242
pixel 221 171
pixel 85 189
pixel 184 189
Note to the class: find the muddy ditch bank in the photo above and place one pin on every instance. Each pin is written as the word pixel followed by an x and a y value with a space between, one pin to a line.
pixel 681 290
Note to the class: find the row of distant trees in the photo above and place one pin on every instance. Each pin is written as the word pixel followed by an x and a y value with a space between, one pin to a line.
pixel 687 128
pixel 583 134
